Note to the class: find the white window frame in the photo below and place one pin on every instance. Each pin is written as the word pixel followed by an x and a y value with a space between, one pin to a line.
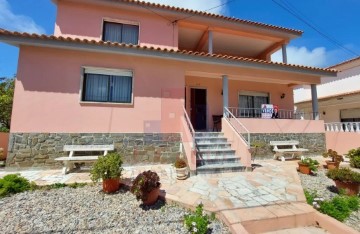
pixel 119 21
pixel 106 71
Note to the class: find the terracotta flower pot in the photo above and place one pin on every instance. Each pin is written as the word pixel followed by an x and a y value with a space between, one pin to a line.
pixel 111 185
pixel 303 168
pixel 332 165
pixel 351 188
pixel 181 173
pixel 152 197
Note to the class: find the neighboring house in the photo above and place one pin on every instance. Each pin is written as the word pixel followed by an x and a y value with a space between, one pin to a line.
pixel 339 97
pixel 121 72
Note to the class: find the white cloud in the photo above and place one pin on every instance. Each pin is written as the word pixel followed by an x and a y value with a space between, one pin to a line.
pixel 200 5
pixel 317 57
pixel 21 23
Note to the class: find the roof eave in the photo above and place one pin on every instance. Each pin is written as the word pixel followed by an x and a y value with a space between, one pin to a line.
pixel 157 53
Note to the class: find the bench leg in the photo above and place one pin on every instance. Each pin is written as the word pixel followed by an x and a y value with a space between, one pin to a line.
pixel 277 155
pixel 64 169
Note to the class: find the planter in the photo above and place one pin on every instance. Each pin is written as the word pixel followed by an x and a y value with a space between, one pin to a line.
pixel 111 185
pixel 303 168
pixel 181 173
pixel 152 197
pixel 351 188
pixel 332 165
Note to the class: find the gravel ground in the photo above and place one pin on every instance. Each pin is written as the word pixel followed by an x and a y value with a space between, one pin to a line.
pixel 326 189
pixel 87 210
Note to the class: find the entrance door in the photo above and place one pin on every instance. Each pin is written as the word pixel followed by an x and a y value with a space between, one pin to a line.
pixel 198 108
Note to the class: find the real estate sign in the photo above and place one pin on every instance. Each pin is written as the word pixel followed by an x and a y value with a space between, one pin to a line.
pixel 267 111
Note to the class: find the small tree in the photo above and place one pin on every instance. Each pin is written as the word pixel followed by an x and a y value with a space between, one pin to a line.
pixel 7 86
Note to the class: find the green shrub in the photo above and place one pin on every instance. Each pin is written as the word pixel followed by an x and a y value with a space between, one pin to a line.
pixel 310 196
pixel 107 167
pixel 13 183
pixel 311 163
pixel 344 175
pixel 198 221
pixel 180 163
pixel 340 207
pixel 144 183
pixel 354 156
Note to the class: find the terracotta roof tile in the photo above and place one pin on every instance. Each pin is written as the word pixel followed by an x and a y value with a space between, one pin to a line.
pixel 345 62
pixel 152 48
pixel 203 13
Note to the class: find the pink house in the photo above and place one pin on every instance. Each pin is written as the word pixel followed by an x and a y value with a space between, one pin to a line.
pixel 152 79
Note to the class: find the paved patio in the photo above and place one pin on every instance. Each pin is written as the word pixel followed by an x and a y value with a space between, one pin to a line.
pixel 271 193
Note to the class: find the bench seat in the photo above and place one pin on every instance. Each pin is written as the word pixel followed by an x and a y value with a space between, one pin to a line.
pixel 291 148
pixel 78 158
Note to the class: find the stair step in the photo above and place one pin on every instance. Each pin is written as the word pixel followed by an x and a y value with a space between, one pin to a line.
pixel 222 145
pixel 220 168
pixel 223 150
pixel 200 140
pixel 209 134
pixel 217 160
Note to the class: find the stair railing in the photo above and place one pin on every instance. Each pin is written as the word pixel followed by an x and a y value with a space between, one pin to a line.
pixel 191 129
pixel 239 128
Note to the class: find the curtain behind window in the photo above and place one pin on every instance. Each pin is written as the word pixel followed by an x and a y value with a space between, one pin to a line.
pixel 96 88
pixel 130 34
pixel 121 89
pixel 112 32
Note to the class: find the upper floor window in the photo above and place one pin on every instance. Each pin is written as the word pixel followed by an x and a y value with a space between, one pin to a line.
pixel 107 85
pixel 122 33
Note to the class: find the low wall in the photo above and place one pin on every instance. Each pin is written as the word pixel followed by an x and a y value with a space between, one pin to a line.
pixel 309 133
pixel 40 149
pixel 342 142
pixel 4 142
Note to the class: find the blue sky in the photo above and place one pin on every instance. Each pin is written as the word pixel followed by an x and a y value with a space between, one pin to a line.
pixel 338 19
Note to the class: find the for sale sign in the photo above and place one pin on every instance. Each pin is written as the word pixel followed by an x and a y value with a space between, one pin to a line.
pixel 267 111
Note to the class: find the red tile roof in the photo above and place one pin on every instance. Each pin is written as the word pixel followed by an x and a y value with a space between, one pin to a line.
pixel 154 49
pixel 203 13
pixel 345 62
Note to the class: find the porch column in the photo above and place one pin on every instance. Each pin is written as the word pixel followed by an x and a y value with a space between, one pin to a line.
pixel 284 54
pixel 225 89
pixel 210 42
pixel 315 104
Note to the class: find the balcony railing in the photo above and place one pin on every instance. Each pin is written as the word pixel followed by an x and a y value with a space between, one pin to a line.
pixel 343 127
pixel 282 114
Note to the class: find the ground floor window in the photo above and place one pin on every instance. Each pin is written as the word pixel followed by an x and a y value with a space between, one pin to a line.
pixel 250 103
pixel 107 85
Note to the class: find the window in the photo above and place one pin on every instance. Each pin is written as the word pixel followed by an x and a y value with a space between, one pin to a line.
pixel 122 33
pixel 105 85
pixel 250 103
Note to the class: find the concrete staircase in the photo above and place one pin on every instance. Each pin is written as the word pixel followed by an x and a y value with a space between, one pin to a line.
pixel 214 154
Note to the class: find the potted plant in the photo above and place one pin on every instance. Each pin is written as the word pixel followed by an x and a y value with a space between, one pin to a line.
pixel 346 179
pixel 335 159
pixel 181 169
pixel 308 165
pixel 2 160
pixel 108 168
pixel 354 156
pixel 146 187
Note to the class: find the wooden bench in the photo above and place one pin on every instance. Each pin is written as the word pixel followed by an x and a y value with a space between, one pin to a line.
pixel 287 147
pixel 69 162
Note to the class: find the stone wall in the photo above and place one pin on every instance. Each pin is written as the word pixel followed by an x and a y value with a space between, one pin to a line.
pixel 314 142
pixel 40 149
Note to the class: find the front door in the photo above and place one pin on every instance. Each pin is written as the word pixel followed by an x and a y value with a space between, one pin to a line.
pixel 198 108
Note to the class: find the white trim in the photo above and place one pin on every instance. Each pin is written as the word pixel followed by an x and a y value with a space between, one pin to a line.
pixel 107 71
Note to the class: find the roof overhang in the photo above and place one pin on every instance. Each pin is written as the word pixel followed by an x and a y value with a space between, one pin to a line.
pixel 18 39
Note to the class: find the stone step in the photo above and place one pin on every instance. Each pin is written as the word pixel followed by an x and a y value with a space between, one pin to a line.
pixel 220 168
pixel 217 160
pixel 222 145
pixel 210 140
pixel 209 134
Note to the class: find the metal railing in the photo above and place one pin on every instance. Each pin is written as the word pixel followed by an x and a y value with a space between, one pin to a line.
pixel 282 113
pixel 241 130
pixel 191 129
pixel 343 127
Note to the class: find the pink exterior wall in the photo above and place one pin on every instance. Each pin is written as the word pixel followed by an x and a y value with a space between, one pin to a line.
pixel 283 125
pixel 215 99
pixel 85 21
pixel 47 94
pixel 237 143
pixel 188 143
pixel 4 142
pixel 342 142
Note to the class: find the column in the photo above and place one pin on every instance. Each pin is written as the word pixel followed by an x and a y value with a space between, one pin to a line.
pixel 210 42
pixel 225 88
pixel 284 54
pixel 314 100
